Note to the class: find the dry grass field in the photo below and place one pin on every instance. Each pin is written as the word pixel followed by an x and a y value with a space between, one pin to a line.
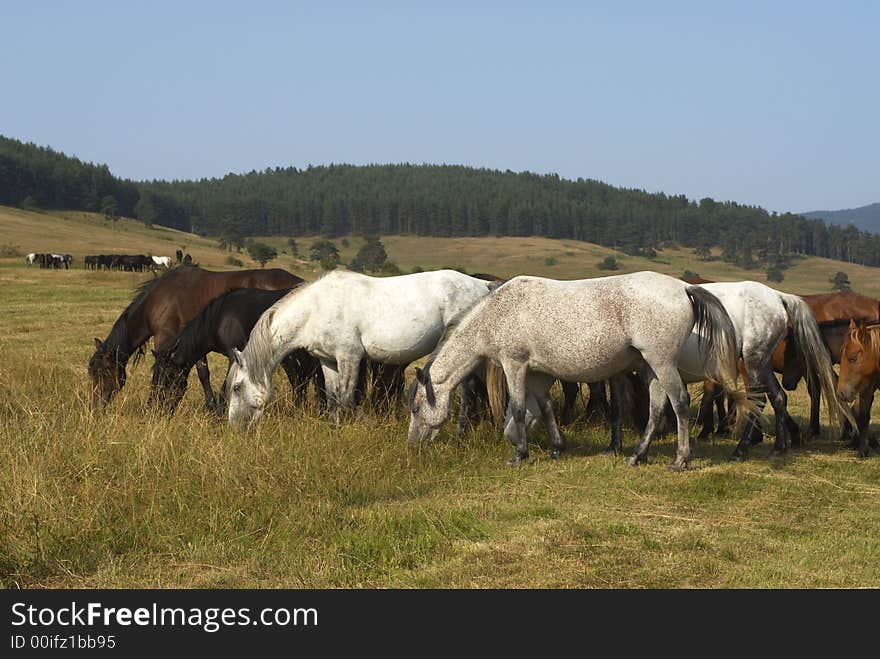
pixel 131 499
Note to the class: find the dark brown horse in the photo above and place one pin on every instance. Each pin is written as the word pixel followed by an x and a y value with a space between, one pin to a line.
pixel 160 309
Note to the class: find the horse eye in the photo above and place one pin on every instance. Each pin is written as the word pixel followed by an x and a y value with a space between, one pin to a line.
pixel 415 410
pixel 236 386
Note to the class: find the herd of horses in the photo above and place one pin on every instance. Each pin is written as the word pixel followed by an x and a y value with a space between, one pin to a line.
pixel 126 262
pixel 49 261
pixel 642 337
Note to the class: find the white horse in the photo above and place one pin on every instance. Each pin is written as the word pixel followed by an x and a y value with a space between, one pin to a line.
pixel 342 318
pixel 30 258
pixel 762 316
pixel 584 330
pixel 162 260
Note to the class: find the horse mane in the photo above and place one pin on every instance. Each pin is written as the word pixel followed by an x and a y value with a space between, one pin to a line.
pixel 259 353
pixel 451 326
pixel 118 340
pixel 188 339
pixel 873 339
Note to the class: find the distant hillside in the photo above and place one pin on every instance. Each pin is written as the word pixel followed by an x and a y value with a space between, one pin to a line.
pixel 866 218
pixel 429 200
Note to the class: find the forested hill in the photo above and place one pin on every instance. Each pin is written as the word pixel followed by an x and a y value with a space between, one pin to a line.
pixel 864 217
pixel 429 200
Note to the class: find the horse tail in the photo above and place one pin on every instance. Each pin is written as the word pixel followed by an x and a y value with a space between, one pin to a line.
pixel 809 341
pixel 715 329
pixel 496 387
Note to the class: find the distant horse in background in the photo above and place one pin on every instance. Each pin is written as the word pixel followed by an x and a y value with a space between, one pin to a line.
pixel 342 318
pixel 164 261
pixel 160 309
pixel 30 258
pixel 584 331
pixel 225 324
pixel 860 376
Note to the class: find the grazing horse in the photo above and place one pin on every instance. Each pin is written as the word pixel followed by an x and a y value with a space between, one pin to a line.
pixel 162 260
pixel 225 324
pixel 860 375
pixel 583 331
pixel 342 318
pixel 160 309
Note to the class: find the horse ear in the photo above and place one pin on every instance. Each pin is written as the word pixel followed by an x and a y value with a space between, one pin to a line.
pixel 155 354
pixel 98 344
pixel 236 354
pixel 420 375
pixel 429 392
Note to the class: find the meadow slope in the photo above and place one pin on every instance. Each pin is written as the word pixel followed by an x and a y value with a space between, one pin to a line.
pixel 130 499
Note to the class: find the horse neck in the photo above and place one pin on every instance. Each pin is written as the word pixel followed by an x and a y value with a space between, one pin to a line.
pixel 274 337
pixel 457 357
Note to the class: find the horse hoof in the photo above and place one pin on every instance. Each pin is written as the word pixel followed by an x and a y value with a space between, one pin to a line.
pixel 517 459
pixel 634 460
pixel 555 454
pixel 611 450
pixel 738 457
pixel 678 466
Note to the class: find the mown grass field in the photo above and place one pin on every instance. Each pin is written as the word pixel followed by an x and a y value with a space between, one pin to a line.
pixel 130 499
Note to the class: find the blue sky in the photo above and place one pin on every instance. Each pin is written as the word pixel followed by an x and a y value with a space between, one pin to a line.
pixel 767 103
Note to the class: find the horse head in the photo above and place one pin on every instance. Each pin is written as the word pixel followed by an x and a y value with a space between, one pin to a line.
pixel 427 411
pixel 247 395
pixel 858 362
pixel 169 380
pixel 107 374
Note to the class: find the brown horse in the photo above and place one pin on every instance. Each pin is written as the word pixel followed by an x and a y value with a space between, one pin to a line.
pixel 833 312
pixel 160 309
pixel 860 376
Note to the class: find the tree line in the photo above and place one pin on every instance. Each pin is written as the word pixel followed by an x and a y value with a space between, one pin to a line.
pixel 432 200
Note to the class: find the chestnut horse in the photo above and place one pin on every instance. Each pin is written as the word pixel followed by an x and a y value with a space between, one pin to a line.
pixel 160 309
pixel 833 311
pixel 860 375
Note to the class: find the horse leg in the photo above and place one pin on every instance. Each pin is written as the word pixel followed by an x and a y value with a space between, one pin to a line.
pixel 331 384
pixel 752 433
pixel 815 398
pixel 679 397
pixel 723 421
pixel 293 369
pixel 706 415
pixel 597 403
pixel 205 379
pixel 515 429
pixel 657 401
pixel 468 396
pixel 348 376
pixel 863 419
pixel 779 401
pixel 570 391
pixel 538 386
pixel 614 413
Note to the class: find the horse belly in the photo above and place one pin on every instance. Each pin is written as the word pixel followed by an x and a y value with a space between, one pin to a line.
pixel 587 366
pixel 402 346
